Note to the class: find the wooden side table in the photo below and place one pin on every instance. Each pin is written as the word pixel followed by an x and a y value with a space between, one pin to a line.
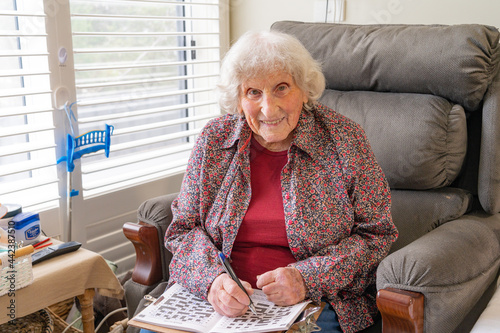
pixel 78 273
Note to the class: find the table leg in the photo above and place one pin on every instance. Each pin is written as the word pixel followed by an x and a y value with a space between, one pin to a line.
pixel 87 305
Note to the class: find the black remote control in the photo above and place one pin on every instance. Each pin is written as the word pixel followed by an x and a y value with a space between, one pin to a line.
pixel 54 251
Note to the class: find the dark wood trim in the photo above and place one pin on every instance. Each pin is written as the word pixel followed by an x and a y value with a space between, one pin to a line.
pixel 148 269
pixel 402 311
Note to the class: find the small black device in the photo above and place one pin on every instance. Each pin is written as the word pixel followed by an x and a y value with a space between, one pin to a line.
pixel 54 251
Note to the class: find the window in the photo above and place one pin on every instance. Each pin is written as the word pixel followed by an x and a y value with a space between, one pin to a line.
pixel 146 67
pixel 28 173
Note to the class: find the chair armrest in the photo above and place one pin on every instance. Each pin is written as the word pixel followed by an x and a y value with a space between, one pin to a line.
pixel 402 310
pixel 148 266
pixel 156 213
pixel 152 258
pixel 452 267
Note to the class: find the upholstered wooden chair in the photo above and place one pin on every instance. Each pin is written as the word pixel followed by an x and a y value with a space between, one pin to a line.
pixel 428 98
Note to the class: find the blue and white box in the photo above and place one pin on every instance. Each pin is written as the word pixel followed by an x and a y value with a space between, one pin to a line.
pixel 27 227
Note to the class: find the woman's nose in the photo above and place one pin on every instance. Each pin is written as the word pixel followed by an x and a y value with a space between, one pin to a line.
pixel 269 105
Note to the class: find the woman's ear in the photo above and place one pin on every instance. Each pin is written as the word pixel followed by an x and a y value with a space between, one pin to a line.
pixel 239 109
pixel 306 97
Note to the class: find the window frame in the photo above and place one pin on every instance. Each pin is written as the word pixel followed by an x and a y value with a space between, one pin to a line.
pixel 62 83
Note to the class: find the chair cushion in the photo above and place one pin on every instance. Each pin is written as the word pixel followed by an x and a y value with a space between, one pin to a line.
pixel 396 57
pixel 419 140
pixel 415 213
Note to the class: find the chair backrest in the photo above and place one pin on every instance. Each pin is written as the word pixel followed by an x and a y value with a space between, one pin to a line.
pixel 427 98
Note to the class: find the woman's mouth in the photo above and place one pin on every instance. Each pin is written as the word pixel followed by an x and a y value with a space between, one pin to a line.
pixel 272 122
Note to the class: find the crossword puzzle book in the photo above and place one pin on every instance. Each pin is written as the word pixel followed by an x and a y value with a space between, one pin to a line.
pixel 177 308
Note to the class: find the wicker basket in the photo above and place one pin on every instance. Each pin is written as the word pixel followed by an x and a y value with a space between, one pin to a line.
pixel 59 312
pixel 61 309
pixel 37 322
pixel 60 324
pixel 18 275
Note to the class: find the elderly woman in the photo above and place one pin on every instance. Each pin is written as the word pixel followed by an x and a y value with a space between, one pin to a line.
pixel 286 187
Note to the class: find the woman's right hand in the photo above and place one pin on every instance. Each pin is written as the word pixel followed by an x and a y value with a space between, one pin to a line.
pixel 227 298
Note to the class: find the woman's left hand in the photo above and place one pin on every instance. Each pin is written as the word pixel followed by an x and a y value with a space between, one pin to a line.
pixel 283 286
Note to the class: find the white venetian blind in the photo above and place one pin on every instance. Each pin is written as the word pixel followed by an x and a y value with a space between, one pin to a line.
pixel 148 68
pixel 28 173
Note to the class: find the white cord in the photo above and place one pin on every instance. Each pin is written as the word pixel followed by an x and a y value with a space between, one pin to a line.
pixel 107 316
pixel 74 322
pixel 100 324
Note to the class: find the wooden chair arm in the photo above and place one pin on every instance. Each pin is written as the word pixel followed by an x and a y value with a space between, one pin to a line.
pixel 147 270
pixel 402 311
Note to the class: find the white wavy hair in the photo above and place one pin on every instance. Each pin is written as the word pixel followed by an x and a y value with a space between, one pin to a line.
pixel 257 54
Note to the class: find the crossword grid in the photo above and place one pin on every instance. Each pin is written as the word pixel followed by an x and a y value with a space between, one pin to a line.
pixel 267 315
pixel 183 307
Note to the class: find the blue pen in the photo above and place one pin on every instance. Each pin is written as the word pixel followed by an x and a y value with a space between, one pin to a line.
pixel 229 270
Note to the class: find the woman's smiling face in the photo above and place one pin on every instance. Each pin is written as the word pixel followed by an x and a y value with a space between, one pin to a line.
pixel 272 107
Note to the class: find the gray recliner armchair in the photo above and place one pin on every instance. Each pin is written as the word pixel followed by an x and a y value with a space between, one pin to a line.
pixel 428 98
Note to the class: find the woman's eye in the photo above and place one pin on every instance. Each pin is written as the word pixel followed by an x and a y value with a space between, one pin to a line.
pixel 282 88
pixel 253 93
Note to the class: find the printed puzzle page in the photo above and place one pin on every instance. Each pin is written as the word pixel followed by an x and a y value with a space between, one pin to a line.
pixel 270 317
pixel 178 308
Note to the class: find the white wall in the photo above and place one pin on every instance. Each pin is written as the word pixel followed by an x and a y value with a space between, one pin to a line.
pixel 260 14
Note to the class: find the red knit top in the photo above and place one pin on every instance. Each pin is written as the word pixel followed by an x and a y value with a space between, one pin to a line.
pixel 261 244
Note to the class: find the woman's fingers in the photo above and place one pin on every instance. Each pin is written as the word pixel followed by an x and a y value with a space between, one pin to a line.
pixel 227 298
pixel 283 286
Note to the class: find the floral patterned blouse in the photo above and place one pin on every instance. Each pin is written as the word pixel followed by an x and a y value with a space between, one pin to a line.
pixel 336 201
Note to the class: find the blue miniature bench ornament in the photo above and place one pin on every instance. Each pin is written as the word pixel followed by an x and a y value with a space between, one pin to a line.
pixel 92 141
